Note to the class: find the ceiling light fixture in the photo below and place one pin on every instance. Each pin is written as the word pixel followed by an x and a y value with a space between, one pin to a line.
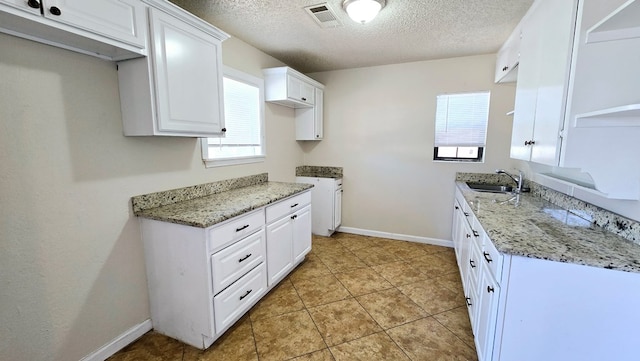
pixel 363 11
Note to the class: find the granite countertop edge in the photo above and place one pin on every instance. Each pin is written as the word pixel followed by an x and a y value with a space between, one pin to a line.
pixel 533 230
pixel 207 211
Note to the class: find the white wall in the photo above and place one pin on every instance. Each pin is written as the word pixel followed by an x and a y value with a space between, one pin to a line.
pixel 379 126
pixel 72 274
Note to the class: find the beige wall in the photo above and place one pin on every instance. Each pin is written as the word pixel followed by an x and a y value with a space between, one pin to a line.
pixel 379 126
pixel 72 272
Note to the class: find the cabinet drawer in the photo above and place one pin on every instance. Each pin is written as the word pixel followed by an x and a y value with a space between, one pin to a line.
pixel 492 258
pixel 236 228
pixel 239 297
pixel 232 262
pixel 288 206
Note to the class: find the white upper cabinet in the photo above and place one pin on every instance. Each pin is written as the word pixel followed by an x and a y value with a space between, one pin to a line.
pixel 508 58
pixel 543 81
pixel 288 87
pixel 177 90
pixel 309 121
pixel 110 29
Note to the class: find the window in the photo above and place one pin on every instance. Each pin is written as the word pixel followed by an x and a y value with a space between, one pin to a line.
pixel 243 142
pixel 461 127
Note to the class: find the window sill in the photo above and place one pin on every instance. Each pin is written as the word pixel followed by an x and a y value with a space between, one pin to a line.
pixel 212 163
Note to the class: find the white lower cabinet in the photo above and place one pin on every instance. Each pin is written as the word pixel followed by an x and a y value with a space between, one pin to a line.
pixel 202 280
pixel 288 235
pixel 326 196
pixel 530 309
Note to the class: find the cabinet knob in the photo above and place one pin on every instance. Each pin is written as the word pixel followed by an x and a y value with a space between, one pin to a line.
pixel 472 264
pixel 456 207
pixel 317 135
pixel 304 99
pixel 55 10
pixel 34 4
pixel 466 214
pixel 529 142
pixel 468 299
pixel 224 130
pixel 505 68
pixel 468 235
pixel 489 289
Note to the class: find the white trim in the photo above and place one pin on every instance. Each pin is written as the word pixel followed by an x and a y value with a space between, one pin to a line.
pixel 400 237
pixel 120 342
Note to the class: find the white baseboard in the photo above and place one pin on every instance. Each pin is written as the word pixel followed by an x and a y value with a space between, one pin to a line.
pixel 400 237
pixel 119 342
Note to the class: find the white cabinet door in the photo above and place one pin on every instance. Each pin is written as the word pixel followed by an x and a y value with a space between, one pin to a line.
pixel 122 20
pixel 489 291
pixel 279 249
pixel 32 6
pixel 301 233
pixel 299 90
pixel 337 208
pixel 188 78
pixel 318 110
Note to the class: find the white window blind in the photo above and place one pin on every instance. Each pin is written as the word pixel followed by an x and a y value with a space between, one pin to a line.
pixel 461 119
pixel 243 115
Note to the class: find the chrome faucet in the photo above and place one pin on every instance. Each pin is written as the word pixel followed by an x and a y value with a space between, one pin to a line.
pixel 519 180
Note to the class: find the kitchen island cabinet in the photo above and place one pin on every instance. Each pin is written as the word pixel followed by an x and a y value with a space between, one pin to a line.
pixel 544 283
pixel 209 257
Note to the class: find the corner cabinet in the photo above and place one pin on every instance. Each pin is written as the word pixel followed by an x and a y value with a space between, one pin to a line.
pixel 202 280
pixel 290 88
pixel 108 29
pixel 326 196
pixel 177 89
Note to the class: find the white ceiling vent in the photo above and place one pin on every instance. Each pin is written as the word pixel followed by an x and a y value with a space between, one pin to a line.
pixel 323 15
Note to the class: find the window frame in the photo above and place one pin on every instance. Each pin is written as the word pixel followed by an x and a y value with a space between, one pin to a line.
pixel 242 77
pixel 480 149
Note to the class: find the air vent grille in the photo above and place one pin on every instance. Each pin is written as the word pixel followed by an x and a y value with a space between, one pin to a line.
pixel 323 15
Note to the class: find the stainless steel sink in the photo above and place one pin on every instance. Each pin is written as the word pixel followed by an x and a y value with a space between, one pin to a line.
pixel 491 188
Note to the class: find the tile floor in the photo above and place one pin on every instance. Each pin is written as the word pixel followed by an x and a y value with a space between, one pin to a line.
pixel 353 298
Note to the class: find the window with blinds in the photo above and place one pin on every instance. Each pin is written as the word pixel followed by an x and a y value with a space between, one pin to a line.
pixel 461 126
pixel 243 142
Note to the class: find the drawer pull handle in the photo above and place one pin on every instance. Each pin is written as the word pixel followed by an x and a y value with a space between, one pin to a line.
pixel 487 257
pixel 468 299
pixel 466 214
pixel 489 289
pixel 244 258
pixel 457 207
pixel 294 216
pixel 33 4
pixel 304 99
pixel 476 234
pixel 472 264
pixel 468 235
pixel 245 295
pixel 295 205
pixel 241 228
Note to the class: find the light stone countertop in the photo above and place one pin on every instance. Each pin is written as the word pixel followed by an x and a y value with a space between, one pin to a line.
pixel 211 209
pixel 532 227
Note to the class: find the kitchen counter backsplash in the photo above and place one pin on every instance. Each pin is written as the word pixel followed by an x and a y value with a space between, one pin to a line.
pixel 158 199
pixel 318 171
pixel 611 222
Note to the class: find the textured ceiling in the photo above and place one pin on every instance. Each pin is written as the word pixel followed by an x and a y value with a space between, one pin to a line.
pixel 404 31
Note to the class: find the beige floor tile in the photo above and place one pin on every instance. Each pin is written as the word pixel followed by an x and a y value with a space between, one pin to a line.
pixel 280 300
pixel 375 347
pixel 286 336
pixel 432 265
pixel 426 339
pixel 341 261
pixel 451 281
pixel 153 347
pixel 448 255
pixel 457 321
pixel 236 344
pixel 399 273
pixel 355 242
pixel 391 308
pixel 375 256
pixel 432 297
pixel 431 248
pixel 404 250
pixel 363 281
pixel 343 321
pixel 322 355
pixel 310 268
pixel 320 290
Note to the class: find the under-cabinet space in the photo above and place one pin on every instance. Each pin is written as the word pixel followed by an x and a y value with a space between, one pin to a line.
pixel 177 89
pixel 109 29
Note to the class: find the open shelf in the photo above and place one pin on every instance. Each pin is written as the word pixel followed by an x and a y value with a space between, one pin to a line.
pixel 622 116
pixel 623 23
